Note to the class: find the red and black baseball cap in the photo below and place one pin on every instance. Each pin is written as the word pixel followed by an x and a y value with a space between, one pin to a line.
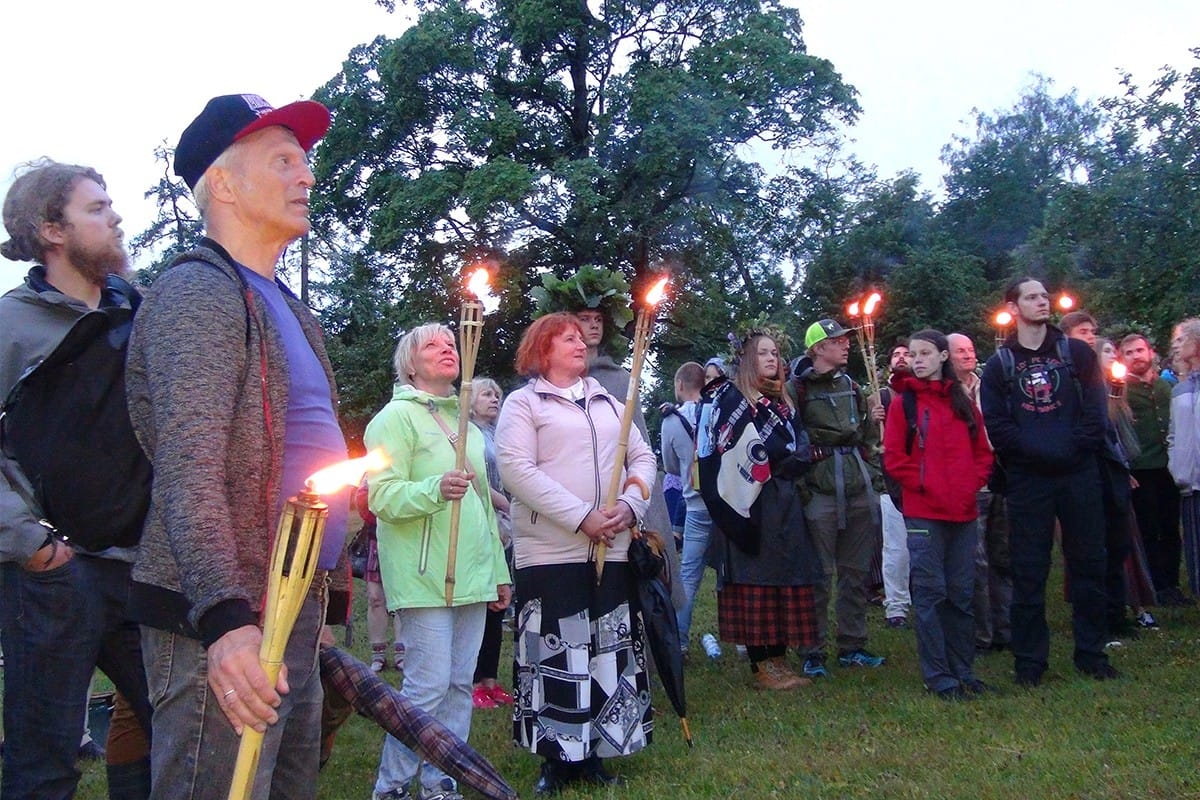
pixel 232 116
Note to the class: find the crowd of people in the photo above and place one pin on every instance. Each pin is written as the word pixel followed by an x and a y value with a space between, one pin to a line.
pixel 787 477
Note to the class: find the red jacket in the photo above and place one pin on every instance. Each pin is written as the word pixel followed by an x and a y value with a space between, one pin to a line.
pixel 946 467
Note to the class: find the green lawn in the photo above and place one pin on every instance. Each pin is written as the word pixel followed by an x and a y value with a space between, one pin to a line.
pixel 876 734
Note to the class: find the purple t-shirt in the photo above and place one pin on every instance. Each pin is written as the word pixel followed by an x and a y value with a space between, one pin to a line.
pixel 312 438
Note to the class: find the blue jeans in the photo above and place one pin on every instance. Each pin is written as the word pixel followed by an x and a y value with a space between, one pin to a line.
pixel 195 748
pixel 58 626
pixel 942 562
pixel 441 646
pixel 697 528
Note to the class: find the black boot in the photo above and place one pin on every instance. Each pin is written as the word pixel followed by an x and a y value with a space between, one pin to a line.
pixel 592 771
pixel 555 775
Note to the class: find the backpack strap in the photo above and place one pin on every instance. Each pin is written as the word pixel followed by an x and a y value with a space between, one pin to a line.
pixel 1008 365
pixel 688 427
pixel 885 397
pixel 1064 354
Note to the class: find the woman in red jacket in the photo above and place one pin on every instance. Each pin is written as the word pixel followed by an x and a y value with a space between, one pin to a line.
pixel 938 452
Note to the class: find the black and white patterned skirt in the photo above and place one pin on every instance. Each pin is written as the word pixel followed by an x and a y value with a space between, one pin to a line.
pixel 579 664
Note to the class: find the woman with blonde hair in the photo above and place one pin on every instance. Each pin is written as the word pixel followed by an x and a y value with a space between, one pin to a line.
pixel 411 498
pixel 752 448
pixel 486 398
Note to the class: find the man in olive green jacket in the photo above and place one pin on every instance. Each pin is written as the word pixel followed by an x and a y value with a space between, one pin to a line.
pixel 842 503
pixel 1156 498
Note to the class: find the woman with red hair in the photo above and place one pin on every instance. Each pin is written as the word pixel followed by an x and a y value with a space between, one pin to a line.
pixel 582 689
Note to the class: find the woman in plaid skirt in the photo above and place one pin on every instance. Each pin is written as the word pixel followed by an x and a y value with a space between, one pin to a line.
pixel 751 450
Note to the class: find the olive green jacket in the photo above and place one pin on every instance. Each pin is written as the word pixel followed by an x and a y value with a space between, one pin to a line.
pixel 1151 407
pixel 845 441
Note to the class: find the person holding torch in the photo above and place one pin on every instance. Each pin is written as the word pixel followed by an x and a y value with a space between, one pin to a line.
pixel 412 499
pixel 582 688
pixel 841 491
pixel 232 397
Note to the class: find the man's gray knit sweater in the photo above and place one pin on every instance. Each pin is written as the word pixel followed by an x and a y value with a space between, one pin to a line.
pixel 196 398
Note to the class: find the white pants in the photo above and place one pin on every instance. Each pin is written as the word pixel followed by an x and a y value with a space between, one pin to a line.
pixel 896 599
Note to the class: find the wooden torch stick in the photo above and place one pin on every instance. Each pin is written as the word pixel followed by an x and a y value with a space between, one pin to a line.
pixel 470 330
pixel 641 336
pixel 293 563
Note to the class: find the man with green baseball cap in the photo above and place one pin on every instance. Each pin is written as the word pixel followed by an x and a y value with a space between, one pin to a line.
pixel 842 505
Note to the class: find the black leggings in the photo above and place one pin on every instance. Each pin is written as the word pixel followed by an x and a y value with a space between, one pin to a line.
pixel 488 663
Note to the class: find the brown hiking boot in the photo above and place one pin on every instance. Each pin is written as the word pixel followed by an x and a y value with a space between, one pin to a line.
pixel 775 675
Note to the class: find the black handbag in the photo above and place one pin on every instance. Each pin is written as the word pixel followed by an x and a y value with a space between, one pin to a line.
pixel 359 550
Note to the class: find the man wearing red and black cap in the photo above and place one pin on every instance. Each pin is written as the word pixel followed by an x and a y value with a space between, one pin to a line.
pixel 232 397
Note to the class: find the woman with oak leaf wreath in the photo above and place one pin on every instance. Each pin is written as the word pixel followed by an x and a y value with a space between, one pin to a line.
pixel 751 449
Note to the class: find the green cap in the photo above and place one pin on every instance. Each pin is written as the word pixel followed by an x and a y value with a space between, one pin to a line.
pixel 825 329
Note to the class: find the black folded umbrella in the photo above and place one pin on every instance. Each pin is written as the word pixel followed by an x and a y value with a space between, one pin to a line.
pixel 648 562
pixel 380 702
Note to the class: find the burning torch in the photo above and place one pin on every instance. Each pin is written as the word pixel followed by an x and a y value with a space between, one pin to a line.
pixel 1003 321
pixel 1116 384
pixel 865 332
pixel 641 337
pixel 470 331
pixel 293 561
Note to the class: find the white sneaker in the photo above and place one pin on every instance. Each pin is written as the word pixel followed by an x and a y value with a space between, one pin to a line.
pixel 445 790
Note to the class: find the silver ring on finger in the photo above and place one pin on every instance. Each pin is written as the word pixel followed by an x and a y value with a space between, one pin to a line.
pixel 229 693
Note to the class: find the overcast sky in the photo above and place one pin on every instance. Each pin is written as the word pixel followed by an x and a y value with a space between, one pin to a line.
pixel 104 83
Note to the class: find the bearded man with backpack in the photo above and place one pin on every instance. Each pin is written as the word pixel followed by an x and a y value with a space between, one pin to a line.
pixel 1043 399
pixel 73 483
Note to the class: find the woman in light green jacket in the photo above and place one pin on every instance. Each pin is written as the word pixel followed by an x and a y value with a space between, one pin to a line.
pixel 412 499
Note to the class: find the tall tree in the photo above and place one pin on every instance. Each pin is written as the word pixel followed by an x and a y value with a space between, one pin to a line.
pixel 1130 236
pixel 1000 181
pixel 570 133
pixel 176 226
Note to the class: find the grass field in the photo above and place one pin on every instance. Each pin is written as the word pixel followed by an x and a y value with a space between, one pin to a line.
pixel 876 734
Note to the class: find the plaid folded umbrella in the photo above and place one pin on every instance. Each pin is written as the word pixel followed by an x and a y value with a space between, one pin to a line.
pixel 381 703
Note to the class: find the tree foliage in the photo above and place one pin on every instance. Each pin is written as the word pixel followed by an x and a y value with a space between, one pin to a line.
pixel 535 137
pixel 1000 183
pixel 175 228
pixel 563 134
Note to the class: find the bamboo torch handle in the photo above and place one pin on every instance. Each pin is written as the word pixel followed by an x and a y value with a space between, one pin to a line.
pixel 641 331
pixel 470 331
pixel 250 747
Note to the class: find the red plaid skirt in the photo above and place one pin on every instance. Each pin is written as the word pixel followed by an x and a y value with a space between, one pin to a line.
pixel 767 615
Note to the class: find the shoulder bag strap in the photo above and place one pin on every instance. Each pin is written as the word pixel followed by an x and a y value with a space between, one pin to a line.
pixel 453 439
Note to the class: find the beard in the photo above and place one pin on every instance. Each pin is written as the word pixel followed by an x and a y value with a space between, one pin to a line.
pixel 96 263
pixel 1139 367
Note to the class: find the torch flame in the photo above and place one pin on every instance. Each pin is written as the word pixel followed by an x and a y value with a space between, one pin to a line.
pixel 346 473
pixel 1004 319
pixel 657 291
pixel 852 309
pixel 1066 302
pixel 478 284
pixel 1119 371
pixel 872 303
